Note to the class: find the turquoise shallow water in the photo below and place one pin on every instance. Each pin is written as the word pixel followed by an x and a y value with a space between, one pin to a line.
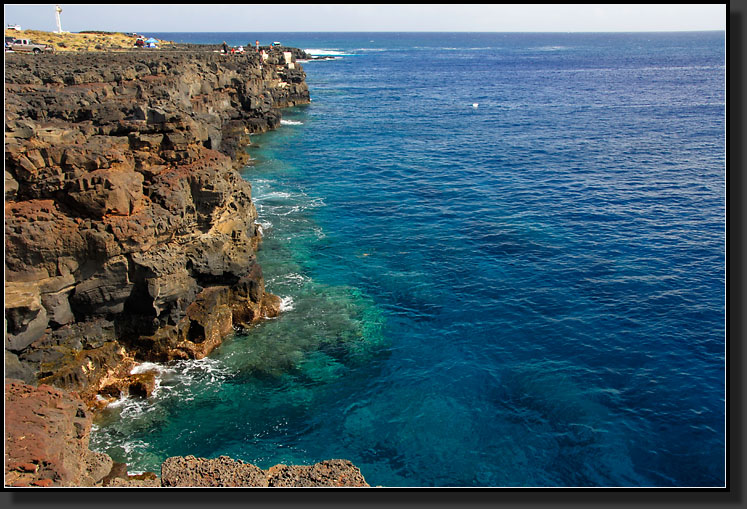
pixel 529 292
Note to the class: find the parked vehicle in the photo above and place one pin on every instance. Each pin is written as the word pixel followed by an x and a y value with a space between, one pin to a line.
pixel 26 46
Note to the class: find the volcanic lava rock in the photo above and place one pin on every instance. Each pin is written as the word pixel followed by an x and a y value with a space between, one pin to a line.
pixel 123 205
pixel 46 439
pixel 130 236
pixel 224 471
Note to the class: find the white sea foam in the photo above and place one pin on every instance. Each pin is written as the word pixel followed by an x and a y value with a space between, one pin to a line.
pixel 292 278
pixel 177 379
pixel 160 370
pixel 144 367
pixel 183 381
pixel 265 205
pixel 273 194
pixel 321 52
pixel 299 208
pixel 134 407
pixel 205 370
pixel 328 57
pixel 292 210
pixel 290 122
pixel 132 445
pixel 118 403
pixel 286 304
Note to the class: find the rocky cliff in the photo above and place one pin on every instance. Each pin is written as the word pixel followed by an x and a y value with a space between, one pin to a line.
pixel 129 235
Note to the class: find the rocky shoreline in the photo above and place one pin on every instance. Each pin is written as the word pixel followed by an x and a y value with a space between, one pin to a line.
pixel 46 445
pixel 129 234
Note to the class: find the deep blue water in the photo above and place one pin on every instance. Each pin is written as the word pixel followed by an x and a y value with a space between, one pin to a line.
pixel 530 292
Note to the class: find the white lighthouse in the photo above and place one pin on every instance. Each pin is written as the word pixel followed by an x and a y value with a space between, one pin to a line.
pixel 57 11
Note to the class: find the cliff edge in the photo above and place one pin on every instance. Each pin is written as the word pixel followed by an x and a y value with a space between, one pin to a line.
pixel 129 235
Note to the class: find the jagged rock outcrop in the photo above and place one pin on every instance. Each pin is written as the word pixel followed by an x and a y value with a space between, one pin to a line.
pixel 46 444
pixel 226 472
pixel 46 439
pixel 276 52
pixel 129 235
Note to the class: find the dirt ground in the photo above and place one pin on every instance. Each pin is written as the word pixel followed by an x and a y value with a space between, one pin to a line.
pixel 102 41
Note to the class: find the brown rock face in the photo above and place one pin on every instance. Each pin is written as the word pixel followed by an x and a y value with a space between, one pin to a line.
pixel 331 473
pixel 46 440
pixel 130 236
pixel 123 208
pixel 25 317
pixel 225 472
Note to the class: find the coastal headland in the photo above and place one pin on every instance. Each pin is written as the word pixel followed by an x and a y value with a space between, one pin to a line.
pixel 129 237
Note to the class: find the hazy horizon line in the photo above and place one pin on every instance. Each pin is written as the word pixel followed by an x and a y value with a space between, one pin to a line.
pixel 389 31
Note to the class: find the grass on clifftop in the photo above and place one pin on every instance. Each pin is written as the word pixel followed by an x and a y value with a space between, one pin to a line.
pixel 93 41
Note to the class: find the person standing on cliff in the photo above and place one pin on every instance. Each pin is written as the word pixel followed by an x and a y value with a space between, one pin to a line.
pixel 225 47
pixel 257 43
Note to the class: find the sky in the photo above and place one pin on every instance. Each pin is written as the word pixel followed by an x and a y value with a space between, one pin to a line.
pixel 369 17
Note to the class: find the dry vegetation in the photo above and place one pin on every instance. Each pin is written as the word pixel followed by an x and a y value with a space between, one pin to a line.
pixel 108 41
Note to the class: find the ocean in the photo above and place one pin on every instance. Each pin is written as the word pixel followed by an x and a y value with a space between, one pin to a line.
pixel 502 263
